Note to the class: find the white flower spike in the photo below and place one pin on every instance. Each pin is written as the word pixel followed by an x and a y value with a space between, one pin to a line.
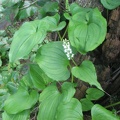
pixel 67 49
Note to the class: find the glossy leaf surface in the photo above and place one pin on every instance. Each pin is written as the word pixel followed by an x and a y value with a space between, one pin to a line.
pixel 86 72
pixel 100 113
pixel 87 30
pixel 20 101
pixel 53 61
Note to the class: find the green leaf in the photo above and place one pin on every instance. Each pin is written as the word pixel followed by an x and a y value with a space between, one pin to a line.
pixel 75 8
pixel 8 3
pixel 20 116
pixel 29 34
pixel 26 82
pixel 51 98
pixel 52 23
pixel 49 7
pixel 94 94
pixel 86 72
pixel 86 104
pixel 38 77
pixel 53 61
pixel 87 30
pixel 11 87
pixel 110 4
pixel 0 62
pixel 20 101
pixel 100 113
pixel 70 111
pixel 29 11
pixel 68 91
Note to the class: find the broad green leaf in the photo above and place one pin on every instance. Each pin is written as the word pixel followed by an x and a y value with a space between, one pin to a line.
pixel 20 101
pixel 70 111
pixel 51 98
pixel 32 33
pixel 29 34
pixel 20 116
pixel 53 61
pixel 86 104
pixel 87 30
pixel 29 11
pixel 100 113
pixel 38 77
pixel 86 72
pixel 110 4
pixel 94 94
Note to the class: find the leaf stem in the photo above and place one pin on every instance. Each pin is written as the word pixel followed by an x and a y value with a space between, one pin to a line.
pixel 74 62
pixel 59 36
pixel 65 32
pixel 114 104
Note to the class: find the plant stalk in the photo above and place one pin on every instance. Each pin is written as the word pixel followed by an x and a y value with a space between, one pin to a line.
pixel 114 104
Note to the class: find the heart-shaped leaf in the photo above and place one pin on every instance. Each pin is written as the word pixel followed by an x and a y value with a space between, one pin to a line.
pixel 20 116
pixel 87 30
pixel 100 113
pixel 86 72
pixel 53 61
pixel 20 101
pixel 51 98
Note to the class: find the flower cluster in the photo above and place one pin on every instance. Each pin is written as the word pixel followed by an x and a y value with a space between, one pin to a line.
pixel 67 49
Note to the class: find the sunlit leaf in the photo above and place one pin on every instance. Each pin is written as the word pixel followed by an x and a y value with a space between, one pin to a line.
pixel 20 116
pixel 86 72
pixel 87 30
pixel 53 61
pixel 100 113
pixel 20 101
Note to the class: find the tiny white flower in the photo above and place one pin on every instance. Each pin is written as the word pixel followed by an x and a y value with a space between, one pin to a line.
pixel 67 49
